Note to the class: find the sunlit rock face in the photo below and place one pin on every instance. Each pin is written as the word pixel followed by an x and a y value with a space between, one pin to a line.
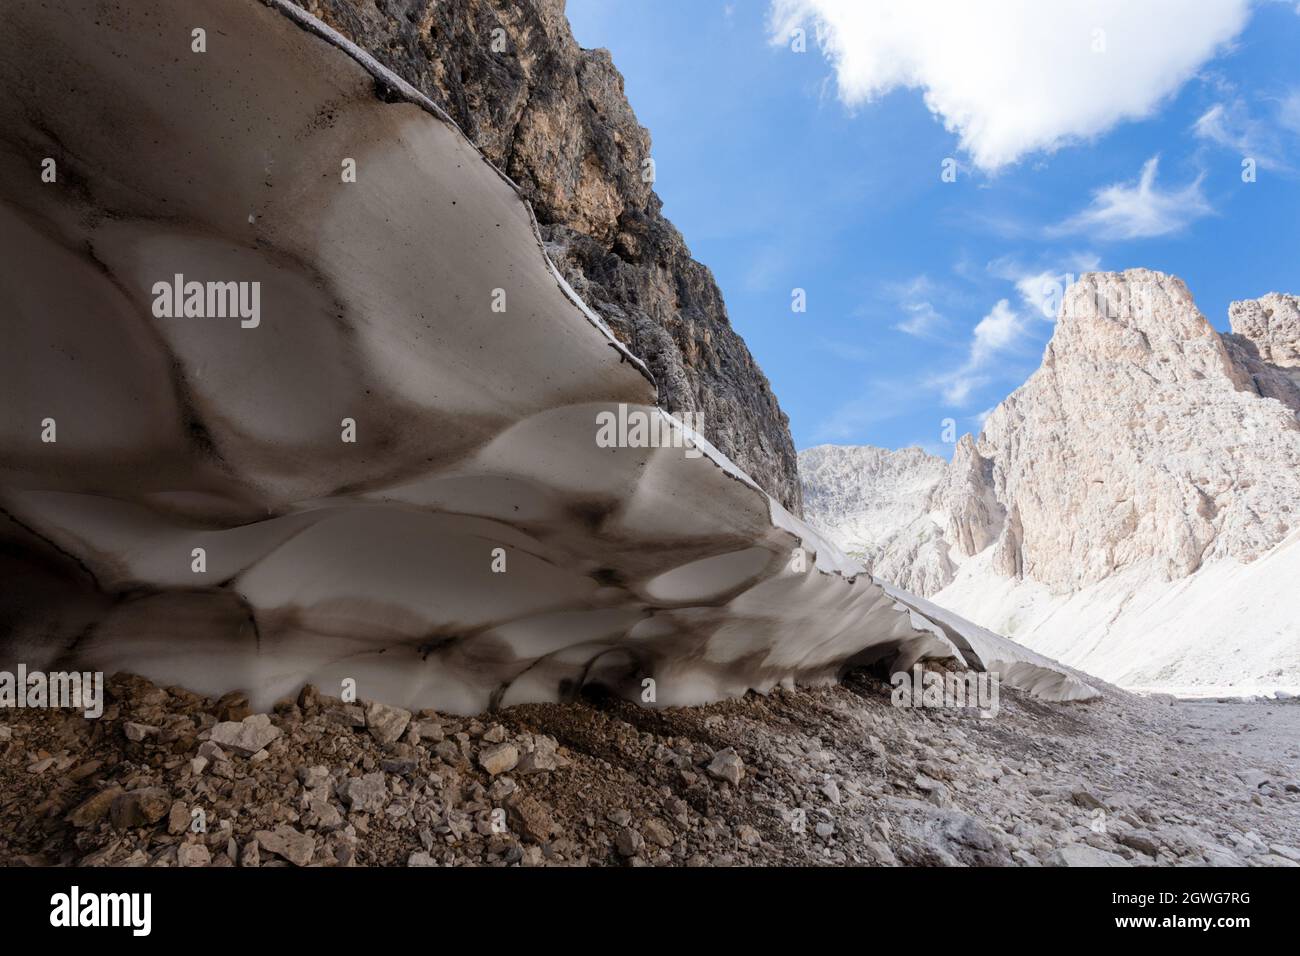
pixel 270 422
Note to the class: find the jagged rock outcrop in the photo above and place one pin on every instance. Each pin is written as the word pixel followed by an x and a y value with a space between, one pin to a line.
pixel 1273 324
pixel 1140 439
pixel 966 498
pixel 1265 342
pixel 554 117
pixel 1147 448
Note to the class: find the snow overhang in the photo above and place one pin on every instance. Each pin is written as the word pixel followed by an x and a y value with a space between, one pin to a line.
pixel 387 466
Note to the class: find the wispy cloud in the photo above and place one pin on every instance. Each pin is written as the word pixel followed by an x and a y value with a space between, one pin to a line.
pixel 1002 330
pixel 1289 111
pixel 1138 210
pixel 1234 126
pixel 1042 289
pixel 922 318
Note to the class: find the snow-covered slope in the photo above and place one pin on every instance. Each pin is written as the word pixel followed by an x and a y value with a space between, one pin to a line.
pixel 1132 509
pixel 394 468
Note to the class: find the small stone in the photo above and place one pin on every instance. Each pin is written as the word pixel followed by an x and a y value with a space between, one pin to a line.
pixel 386 724
pixel 233 707
pixel 1254 778
pixel 250 855
pixel 727 765
pixel 349 715
pixel 246 737
pixel 193 854
pixel 420 858
pixel 450 754
pixel 211 752
pixel 1080 854
pixel 495 734
pixel 657 832
pixel 1138 840
pixel 85 770
pixel 924 783
pixel 366 794
pixel 92 810
pixel 825 830
pixel 831 790
pixel 1087 800
pixel 428 730
pixel 533 818
pixel 322 815
pixel 748 835
pixel 314 777
pixel 198 765
pixel 138 808
pixel 498 758
pixel 178 818
pixel 288 843
pixel 629 841
pixel 138 732
pixel 544 756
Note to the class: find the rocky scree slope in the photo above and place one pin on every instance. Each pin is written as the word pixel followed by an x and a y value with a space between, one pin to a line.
pixel 830 776
pixel 1149 459
pixel 554 117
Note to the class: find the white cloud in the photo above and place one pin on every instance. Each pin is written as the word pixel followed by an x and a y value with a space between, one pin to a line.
pixel 1289 111
pixel 996 331
pixel 1041 290
pixel 1011 77
pixel 1139 210
pixel 1233 126
pixel 922 317
pixel 1001 330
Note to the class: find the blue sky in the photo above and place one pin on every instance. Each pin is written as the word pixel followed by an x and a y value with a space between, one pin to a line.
pixel 821 170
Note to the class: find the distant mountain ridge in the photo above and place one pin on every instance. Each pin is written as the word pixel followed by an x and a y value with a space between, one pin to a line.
pixel 1132 509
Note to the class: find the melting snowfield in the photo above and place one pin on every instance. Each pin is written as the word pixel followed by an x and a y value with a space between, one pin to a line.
pixel 366 447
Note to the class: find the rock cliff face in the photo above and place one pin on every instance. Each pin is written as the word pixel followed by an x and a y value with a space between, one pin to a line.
pixel 554 117
pixel 1140 439
pixel 1146 449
